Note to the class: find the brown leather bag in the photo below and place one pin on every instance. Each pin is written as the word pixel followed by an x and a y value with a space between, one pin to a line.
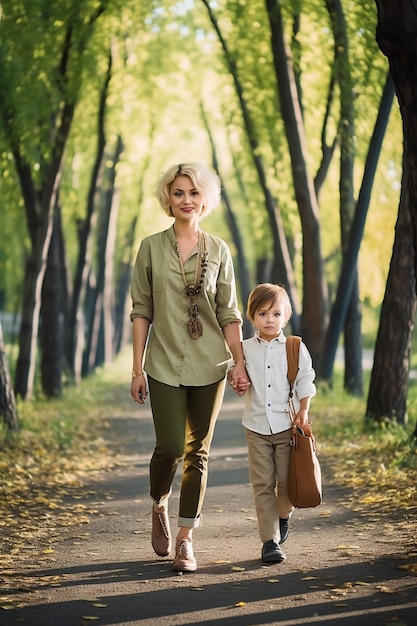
pixel 304 472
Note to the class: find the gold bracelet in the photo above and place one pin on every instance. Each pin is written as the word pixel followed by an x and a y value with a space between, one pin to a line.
pixel 136 373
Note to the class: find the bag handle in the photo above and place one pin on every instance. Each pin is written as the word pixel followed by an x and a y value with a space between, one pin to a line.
pixel 292 344
pixel 293 441
pixel 293 350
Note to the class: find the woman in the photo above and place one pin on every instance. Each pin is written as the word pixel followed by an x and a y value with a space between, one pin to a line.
pixel 184 297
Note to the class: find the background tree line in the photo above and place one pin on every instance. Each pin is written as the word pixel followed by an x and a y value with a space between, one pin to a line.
pixel 291 103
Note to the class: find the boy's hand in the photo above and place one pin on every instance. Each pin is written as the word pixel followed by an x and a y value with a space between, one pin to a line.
pixel 239 380
pixel 242 386
pixel 301 418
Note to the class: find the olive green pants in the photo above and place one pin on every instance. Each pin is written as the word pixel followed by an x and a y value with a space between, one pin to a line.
pixel 184 420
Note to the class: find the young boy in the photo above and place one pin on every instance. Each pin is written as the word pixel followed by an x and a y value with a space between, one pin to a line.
pixel 266 414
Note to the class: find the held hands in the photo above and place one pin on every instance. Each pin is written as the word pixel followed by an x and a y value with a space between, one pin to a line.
pixel 242 386
pixel 238 379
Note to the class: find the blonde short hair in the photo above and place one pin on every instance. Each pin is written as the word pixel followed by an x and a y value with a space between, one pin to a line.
pixel 205 181
pixel 268 293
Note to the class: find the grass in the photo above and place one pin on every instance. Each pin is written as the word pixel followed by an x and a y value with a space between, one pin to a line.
pixel 340 424
pixel 377 463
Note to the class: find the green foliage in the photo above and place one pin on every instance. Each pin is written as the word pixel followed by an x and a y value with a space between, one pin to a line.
pixel 341 430
pixel 372 461
pixel 167 62
pixel 63 423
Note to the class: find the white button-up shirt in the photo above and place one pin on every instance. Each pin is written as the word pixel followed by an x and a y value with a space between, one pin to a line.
pixel 266 408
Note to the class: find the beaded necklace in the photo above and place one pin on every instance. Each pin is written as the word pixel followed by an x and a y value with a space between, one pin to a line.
pixel 194 325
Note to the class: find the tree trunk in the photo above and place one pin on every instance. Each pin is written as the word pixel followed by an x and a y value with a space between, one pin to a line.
pixel 52 323
pixel 233 224
pixel 396 36
pixel 242 269
pixel 124 274
pixel 315 296
pixel 349 268
pixel 76 335
pixel 34 275
pixel 39 180
pixel 39 206
pixel 282 270
pixel 387 398
pixel 353 376
pixel 352 335
pixel 327 149
pixel 8 412
pixel 397 25
pixel 123 305
pixel 103 331
pixel 113 203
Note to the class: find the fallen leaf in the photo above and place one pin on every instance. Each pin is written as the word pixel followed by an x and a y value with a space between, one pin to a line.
pixel 340 592
pixel 410 567
pixel 385 589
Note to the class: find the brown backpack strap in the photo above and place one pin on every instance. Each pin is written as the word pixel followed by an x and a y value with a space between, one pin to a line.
pixel 292 344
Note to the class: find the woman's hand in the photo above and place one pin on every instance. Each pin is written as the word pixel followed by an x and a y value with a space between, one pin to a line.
pixel 239 379
pixel 138 390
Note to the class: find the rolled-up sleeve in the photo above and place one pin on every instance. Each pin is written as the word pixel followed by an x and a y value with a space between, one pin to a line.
pixel 304 382
pixel 141 287
pixel 226 297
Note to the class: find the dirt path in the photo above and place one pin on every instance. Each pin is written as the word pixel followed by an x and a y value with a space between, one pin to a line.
pixel 343 567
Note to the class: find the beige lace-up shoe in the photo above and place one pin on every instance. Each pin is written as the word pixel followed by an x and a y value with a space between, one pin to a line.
pixel 184 558
pixel 161 532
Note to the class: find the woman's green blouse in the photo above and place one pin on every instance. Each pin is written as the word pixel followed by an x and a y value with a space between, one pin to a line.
pixel 158 294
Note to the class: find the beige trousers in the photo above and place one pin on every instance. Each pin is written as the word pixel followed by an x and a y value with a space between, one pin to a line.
pixel 269 457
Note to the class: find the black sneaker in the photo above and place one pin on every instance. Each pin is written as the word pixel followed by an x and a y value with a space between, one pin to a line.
pixel 284 529
pixel 272 553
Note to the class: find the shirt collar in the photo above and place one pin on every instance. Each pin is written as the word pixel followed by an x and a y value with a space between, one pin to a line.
pixel 281 338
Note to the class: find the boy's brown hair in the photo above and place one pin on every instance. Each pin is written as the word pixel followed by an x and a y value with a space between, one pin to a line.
pixel 268 293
